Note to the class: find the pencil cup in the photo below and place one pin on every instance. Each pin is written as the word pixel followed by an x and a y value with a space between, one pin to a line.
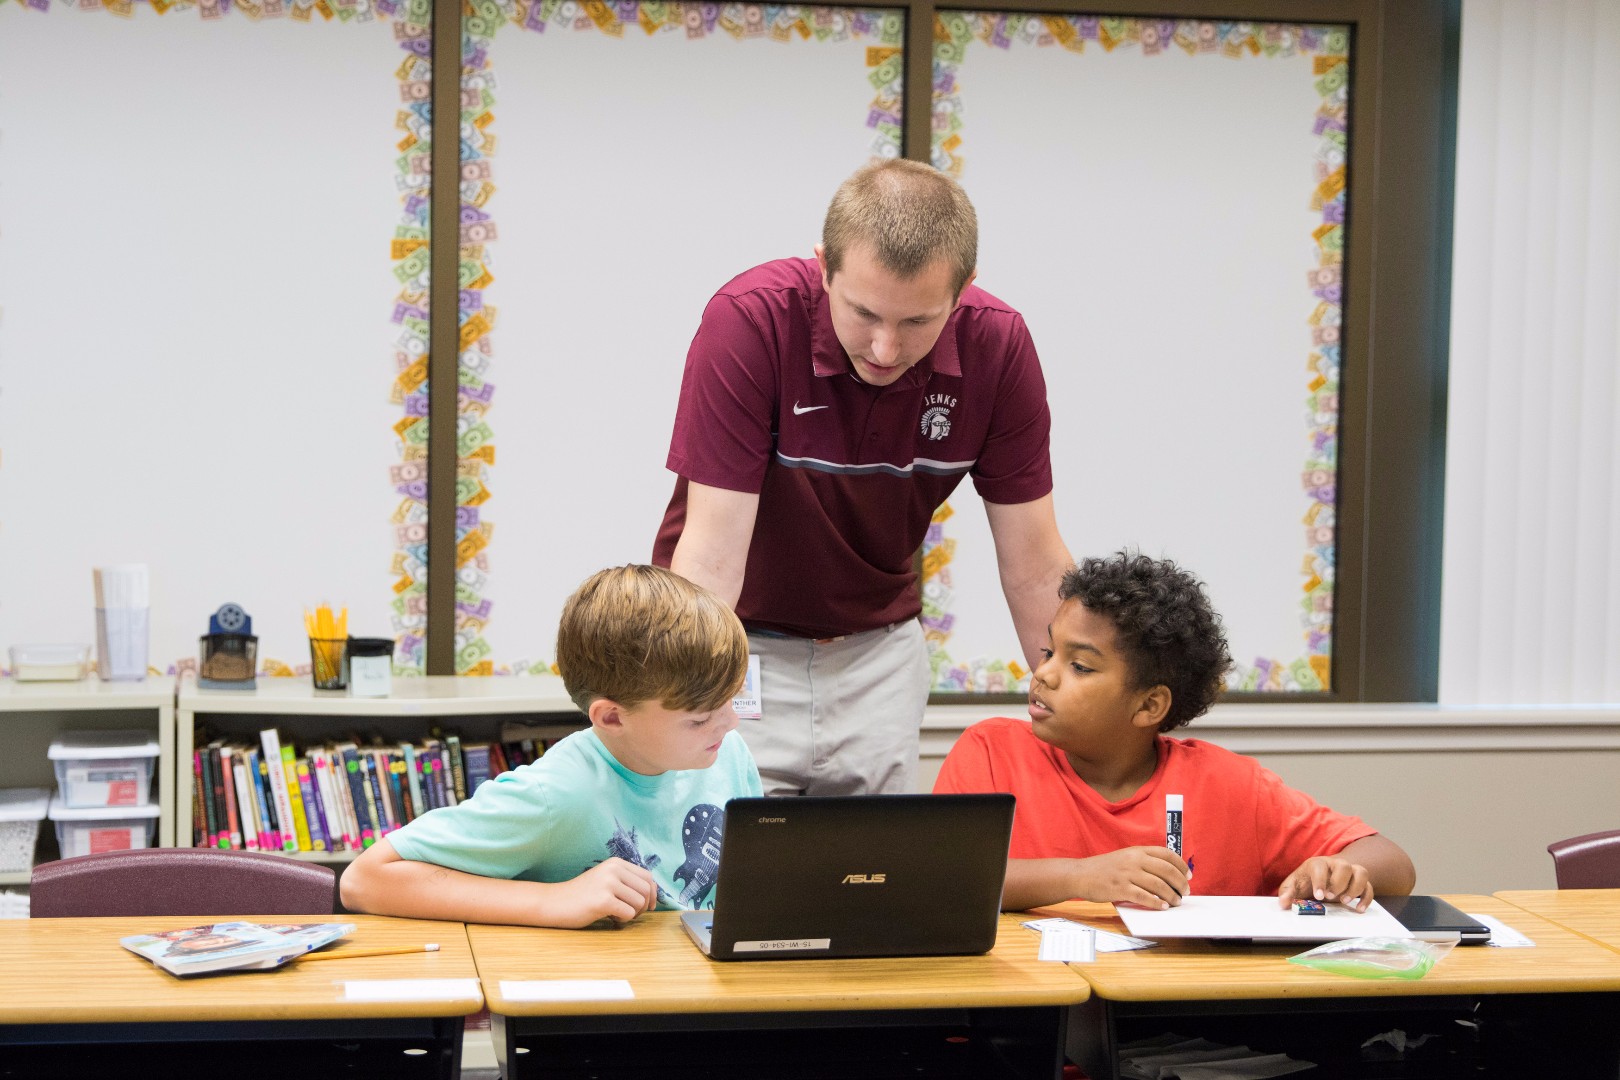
pixel 329 658
pixel 121 642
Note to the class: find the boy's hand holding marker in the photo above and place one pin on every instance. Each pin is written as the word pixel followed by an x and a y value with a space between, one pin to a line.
pixel 1150 877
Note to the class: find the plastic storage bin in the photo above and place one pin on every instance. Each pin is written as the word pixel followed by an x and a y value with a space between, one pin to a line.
pixel 50 663
pixel 21 811
pixel 98 769
pixel 87 831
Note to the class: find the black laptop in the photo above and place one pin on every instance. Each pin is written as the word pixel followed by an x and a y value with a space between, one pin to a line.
pixel 857 875
pixel 1431 918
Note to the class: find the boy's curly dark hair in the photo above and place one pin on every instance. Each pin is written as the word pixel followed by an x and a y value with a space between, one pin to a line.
pixel 1166 627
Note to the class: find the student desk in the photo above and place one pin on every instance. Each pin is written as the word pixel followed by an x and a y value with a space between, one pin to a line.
pixel 74 1002
pixel 1512 1003
pixel 1592 913
pixel 997 1015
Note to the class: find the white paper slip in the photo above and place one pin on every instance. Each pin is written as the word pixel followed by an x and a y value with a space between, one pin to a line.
pixel 566 989
pixel 1072 944
pixel 1503 936
pixel 1106 940
pixel 409 989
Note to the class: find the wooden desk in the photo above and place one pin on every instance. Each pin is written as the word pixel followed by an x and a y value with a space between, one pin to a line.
pixel 945 1015
pixel 1181 984
pixel 68 989
pixel 1592 913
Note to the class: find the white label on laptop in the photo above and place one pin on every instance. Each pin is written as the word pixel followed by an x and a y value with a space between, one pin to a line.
pixel 814 944
pixel 747 700
pixel 566 989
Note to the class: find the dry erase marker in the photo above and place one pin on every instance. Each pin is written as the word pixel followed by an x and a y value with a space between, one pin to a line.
pixel 1172 823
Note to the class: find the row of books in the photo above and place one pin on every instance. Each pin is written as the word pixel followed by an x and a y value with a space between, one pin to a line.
pixel 340 796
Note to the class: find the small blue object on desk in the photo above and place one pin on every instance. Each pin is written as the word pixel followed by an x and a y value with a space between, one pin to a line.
pixel 1309 907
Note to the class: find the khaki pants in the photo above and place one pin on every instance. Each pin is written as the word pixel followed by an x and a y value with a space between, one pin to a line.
pixel 840 717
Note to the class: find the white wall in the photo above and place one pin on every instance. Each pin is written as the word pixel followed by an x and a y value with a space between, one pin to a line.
pixel 195 352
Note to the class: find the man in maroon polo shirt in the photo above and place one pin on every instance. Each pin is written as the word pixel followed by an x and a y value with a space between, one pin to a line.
pixel 829 406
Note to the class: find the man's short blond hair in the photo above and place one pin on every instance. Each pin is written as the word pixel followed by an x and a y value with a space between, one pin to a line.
pixel 634 634
pixel 909 214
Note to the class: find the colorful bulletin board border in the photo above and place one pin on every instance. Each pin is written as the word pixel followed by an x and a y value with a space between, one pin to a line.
pixel 411 21
pixel 1327 48
pixel 782 24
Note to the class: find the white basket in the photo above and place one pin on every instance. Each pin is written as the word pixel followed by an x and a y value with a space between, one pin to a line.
pixel 20 812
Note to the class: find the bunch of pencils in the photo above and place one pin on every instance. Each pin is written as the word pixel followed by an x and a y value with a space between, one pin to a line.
pixel 328 637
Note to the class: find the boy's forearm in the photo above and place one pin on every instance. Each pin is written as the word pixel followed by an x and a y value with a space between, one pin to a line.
pixel 1388 867
pixel 420 890
pixel 1034 883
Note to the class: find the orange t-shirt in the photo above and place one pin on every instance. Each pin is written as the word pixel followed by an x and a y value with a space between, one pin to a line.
pixel 1243 829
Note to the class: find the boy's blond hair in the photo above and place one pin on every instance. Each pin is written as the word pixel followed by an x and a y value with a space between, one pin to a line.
pixel 909 214
pixel 635 633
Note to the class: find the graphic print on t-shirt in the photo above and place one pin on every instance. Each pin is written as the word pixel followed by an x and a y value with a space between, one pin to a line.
pixel 622 844
pixel 700 835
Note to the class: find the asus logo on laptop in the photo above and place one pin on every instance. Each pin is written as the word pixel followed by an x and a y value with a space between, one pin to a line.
pixel 863 879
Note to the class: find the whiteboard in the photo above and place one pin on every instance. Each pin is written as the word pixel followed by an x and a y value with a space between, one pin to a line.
pixel 1151 215
pixel 619 213
pixel 195 348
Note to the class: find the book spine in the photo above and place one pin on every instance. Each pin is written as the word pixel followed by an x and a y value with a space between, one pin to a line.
pixel 356 781
pixel 199 810
pixel 402 786
pixel 271 740
pixel 320 775
pixel 413 778
pixel 396 787
pixel 345 798
pixel 269 834
pixel 368 791
pixel 379 781
pixel 446 777
pixel 227 788
pixel 430 775
pixel 478 765
pixel 289 770
pixel 244 802
pixel 314 817
pixel 221 833
pixel 458 770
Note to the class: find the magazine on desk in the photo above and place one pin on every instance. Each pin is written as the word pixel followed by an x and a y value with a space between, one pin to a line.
pixel 232 946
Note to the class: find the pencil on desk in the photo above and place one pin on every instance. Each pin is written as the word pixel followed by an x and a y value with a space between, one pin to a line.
pixel 344 954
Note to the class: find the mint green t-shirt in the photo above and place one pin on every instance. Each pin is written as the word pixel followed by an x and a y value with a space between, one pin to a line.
pixel 577 806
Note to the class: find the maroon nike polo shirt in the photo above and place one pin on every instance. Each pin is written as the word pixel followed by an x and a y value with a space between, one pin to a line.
pixel 848 475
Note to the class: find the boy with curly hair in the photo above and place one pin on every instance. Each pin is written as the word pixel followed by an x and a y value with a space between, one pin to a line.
pixel 1136 651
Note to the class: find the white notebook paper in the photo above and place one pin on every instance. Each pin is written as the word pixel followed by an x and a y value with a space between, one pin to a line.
pixel 1258 918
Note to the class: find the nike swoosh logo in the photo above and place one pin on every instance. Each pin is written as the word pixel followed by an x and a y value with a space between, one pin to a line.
pixel 800 410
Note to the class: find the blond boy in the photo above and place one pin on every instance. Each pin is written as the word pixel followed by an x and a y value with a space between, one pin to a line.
pixel 615 820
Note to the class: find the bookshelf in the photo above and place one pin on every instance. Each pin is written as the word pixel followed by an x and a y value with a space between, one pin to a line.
pixel 475 707
pixel 35 713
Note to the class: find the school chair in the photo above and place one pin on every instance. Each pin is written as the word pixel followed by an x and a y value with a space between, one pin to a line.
pixel 1587 862
pixel 181 881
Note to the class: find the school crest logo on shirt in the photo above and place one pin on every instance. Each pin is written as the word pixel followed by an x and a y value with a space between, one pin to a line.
pixel 936 417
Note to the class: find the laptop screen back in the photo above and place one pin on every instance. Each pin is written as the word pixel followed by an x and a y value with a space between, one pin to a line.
pixel 861 875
